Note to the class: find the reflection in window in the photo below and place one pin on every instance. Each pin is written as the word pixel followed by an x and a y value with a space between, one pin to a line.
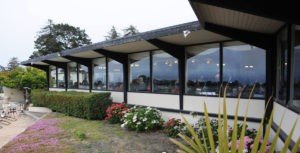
pixel 115 75
pixel 72 67
pixel 83 74
pixel 99 78
pixel 296 101
pixel 139 72
pixel 243 66
pixel 282 66
pixel 61 77
pixel 53 77
pixel 165 73
pixel 203 70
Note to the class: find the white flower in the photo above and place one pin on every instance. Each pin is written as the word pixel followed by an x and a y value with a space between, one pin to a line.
pixel 145 119
pixel 134 118
pixel 123 126
pixel 138 123
pixel 154 121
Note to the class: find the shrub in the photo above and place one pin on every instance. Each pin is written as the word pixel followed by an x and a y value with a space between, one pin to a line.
pixel 77 104
pixel 23 77
pixel 201 129
pixel 142 119
pixel 115 113
pixel 174 126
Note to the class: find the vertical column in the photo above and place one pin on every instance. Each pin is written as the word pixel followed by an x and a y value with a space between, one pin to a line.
pixel 90 72
pixel 181 67
pixel 66 72
pixel 125 76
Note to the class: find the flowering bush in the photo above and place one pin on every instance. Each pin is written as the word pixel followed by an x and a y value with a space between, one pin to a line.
pixel 173 127
pixel 142 119
pixel 115 113
pixel 201 129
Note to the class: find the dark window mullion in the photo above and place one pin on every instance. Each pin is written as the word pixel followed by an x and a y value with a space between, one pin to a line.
pixel 106 71
pixel 56 75
pixel 151 71
pixel 221 68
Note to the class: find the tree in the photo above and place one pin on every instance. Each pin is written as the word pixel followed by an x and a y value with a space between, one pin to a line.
pixel 57 37
pixel 112 34
pixel 130 31
pixel 23 77
pixel 13 63
pixel 2 68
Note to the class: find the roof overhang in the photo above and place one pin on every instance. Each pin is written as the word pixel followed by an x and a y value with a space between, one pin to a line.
pixel 172 35
pixel 255 16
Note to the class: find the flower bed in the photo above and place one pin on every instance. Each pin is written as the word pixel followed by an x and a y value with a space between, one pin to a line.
pixel 115 113
pixel 142 119
pixel 173 127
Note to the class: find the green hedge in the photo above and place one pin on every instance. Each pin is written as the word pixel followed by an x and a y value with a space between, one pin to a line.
pixel 77 104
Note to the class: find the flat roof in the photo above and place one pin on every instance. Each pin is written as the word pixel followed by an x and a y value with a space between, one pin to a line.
pixel 136 43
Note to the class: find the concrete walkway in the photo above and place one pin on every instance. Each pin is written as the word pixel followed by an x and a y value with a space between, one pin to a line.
pixel 8 132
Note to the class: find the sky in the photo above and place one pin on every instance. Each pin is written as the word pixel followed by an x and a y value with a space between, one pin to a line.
pixel 20 20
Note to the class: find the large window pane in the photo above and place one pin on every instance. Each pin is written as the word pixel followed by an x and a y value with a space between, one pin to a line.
pixel 53 77
pixel 165 73
pixel 140 72
pixel 296 101
pixel 243 66
pixel 203 70
pixel 83 74
pixel 282 65
pixel 61 77
pixel 72 67
pixel 115 75
pixel 99 78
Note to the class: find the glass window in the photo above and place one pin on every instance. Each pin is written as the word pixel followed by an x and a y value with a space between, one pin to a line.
pixel 165 73
pixel 296 101
pixel 99 76
pixel 83 74
pixel 203 76
pixel 139 72
pixel 61 77
pixel 243 66
pixel 53 77
pixel 282 66
pixel 72 70
pixel 115 75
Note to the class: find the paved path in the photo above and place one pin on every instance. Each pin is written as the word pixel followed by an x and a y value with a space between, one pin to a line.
pixel 8 132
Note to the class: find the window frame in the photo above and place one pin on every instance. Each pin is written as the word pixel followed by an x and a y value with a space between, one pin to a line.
pixel 56 75
pixel 77 75
pixel 150 73
pixel 106 74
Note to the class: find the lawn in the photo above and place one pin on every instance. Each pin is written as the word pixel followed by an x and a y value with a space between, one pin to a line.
pixel 63 134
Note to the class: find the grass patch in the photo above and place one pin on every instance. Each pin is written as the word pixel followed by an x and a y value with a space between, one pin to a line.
pixel 81 129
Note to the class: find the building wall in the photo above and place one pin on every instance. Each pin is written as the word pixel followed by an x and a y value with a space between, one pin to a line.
pixel 154 100
pixel 196 103
pixel 288 119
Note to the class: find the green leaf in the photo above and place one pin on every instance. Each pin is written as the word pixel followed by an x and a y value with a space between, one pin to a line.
pixel 209 131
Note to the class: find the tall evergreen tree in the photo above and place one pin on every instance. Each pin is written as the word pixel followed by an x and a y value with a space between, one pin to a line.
pixel 130 31
pixel 13 63
pixel 112 34
pixel 57 37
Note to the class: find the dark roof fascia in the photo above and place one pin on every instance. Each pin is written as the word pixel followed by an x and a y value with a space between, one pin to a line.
pixel 177 29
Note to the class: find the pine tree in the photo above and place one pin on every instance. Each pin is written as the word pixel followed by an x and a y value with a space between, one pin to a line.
pixel 112 34
pixel 130 31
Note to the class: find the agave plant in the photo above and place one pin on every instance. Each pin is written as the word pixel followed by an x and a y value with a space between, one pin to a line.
pixel 194 144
